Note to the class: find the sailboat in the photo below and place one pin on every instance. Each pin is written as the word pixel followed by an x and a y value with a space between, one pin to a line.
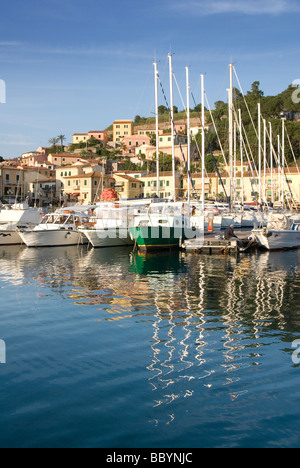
pixel 164 225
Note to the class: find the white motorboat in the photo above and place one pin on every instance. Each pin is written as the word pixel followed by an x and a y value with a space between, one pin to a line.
pixel 15 217
pixel 112 226
pixel 59 228
pixel 282 233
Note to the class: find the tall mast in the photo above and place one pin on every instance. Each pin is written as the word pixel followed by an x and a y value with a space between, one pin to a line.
pixel 172 125
pixel 231 131
pixel 283 162
pixel 188 130
pixel 265 162
pixel 259 152
pixel 271 164
pixel 157 132
pixel 203 141
pixel 242 155
pixel 279 169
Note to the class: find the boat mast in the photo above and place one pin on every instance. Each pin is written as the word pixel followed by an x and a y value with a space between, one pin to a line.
pixel 283 163
pixel 188 130
pixel 259 153
pixel 265 162
pixel 231 132
pixel 172 125
pixel 242 156
pixel 157 131
pixel 203 141
pixel 279 170
pixel 271 164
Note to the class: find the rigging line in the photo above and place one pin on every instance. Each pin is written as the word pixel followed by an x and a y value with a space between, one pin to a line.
pixel 178 140
pixel 211 151
pixel 245 101
pixel 290 143
pixel 184 106
pixel 143 92
pixel 216 130
pixel 245 155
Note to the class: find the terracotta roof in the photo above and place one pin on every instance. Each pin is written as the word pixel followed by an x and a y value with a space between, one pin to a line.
pixel 126 177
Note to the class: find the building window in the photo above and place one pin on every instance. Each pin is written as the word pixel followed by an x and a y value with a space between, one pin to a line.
pixel 85 182
pixel 7 177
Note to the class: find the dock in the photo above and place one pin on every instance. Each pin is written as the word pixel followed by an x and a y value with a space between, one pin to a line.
pixel 215 244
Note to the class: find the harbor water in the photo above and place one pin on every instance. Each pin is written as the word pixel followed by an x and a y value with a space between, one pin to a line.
pixel 109 348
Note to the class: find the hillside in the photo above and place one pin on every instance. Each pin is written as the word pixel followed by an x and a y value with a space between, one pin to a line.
pixel 273 109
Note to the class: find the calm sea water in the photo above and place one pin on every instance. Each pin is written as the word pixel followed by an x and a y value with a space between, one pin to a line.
pixel 109 349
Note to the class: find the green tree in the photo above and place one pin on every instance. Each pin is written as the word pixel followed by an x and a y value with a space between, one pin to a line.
pixel 61 138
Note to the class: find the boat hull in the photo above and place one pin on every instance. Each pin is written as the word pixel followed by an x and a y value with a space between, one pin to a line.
pixel 159 238
pixel 278 240
pixel 108 238
pixel 10 238
pixel 51 238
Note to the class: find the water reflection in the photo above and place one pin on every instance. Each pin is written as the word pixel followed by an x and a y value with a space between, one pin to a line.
pixel 211 317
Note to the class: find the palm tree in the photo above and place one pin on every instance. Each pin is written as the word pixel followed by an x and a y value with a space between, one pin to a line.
pixel 61 138
pixel 53 141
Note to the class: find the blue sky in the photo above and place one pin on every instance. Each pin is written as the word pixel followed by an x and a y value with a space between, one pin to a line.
pixel 74 66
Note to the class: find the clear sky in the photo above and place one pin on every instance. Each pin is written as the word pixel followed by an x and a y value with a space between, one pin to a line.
pixel 77 65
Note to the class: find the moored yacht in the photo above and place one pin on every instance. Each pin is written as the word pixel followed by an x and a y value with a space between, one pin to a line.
pixel 59 228
pixel 14 217
pixel 282 233
pixel 163 226
pixel 112 226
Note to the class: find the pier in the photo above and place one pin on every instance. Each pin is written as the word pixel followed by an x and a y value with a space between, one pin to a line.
pixel 215 244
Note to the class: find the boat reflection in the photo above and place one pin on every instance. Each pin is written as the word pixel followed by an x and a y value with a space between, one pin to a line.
pixel 210 316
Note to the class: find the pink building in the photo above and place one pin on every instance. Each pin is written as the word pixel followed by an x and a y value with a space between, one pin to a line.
pixel 33 158
pixel 99 135
pixel 135 141
pixel 63 159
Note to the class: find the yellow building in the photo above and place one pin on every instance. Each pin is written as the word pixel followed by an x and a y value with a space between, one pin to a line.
pixel 12 183
pixel 165 185
pixel 122 129
pixel 128 187
pixel 210 185
pixel 80 138
pixel 86 188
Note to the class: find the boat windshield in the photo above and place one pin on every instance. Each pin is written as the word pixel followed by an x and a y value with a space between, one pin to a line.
pixel 61 219
pixel 49 219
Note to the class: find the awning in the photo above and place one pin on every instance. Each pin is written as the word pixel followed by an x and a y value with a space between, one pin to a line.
pixel 75 194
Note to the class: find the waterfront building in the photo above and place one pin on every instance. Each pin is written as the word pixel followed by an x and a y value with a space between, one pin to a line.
pixel 43 191
pixel 11 182
pixel 165 185
pixel 86 188
pixel 128 187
